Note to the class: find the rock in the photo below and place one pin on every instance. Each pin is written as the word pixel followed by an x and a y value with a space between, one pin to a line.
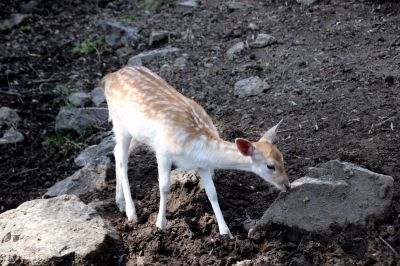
pixel 306 2
pixel 90 178
pixel 250 87
pixel 180 62
pixel 158 36
pixel 8 117
pixel 232 6
pixel 97 95
pixel 11 136
pixel 57 231
pixel 79 99
pixel 30 6
pixel 91 153
pixel 188 4
pixel 180 176
pixel 342 194
pixel 12 21
pixel 263 40
pixel 79 119
pixel 147 56
pixel 235 50
pixel 117 34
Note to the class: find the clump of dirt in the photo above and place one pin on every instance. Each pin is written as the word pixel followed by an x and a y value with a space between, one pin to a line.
pixel 334 76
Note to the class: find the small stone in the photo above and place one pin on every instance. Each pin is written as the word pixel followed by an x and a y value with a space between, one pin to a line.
pixel 158 36
pixel 235 50
pixel 8 117
pixel 79 99
pixel 148 56
pixel 117 34
pixel 390 230
pixel 188 4
pixel 11 136
pixel 232 6
pixel 180 63
pixel 253 26
pixel 263 40
pixel 250 87
pixel 306 2
pixel 97 96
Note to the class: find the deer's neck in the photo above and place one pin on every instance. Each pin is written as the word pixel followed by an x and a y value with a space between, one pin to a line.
pixel 227 156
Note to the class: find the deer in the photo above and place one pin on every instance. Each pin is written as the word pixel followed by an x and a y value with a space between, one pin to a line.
pixel 145 109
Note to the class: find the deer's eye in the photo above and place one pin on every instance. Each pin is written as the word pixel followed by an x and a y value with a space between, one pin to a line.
pixel 271 167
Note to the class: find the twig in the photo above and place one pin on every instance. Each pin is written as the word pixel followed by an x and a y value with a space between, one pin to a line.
pixel 391 116
pixel 20 173
pixel 10 93
pixel 43 80
pixel 389 246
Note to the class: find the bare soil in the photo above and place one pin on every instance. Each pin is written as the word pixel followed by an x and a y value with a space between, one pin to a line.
pixel 335 80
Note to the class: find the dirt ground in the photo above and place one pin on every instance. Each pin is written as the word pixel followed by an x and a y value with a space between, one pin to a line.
pixel 335 79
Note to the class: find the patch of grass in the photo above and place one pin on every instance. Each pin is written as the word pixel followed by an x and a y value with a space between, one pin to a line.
pixel 68 105
pixel 62 90
pixel 25 28
pixel 127 18
pixel 155 5
pixel 88 46
pixel 59 140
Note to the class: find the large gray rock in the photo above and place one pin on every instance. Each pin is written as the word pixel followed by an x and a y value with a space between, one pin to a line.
pixel 79 119
pixel 148 56
pixel 8 117
pixel 91 153
pixel 90 178
pixel 79 99
pixel 235 50
pixel 250 87
pixel 334 193
pixel 98 97
pixel 57 231
pixel 117 34
pixel 11 136
pixel 263 40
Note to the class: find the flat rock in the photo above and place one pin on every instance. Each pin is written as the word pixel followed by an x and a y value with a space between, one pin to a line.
pixel 237 6
pixel 262 40
pixel 8 117
pixel 250 87
pixel 188 4
pixel 235 50
pixel 56 231
pixel 180 62
pixel 117 34
pixel 79 99
pixel 91 153
pixel 336 192
pixel 148 56
pixel 79 119
pixel 11 136
pixel 90 178
pixel 305 2
pixel 97 96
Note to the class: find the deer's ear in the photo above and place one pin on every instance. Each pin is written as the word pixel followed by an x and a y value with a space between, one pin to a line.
pixel 270 136
pixel 245 147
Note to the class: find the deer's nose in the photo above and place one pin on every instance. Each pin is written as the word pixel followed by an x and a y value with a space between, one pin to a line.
pixel 287 186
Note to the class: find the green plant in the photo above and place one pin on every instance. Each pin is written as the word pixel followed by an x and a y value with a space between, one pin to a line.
pixel 87 46
pixel 127 18
pixel 58 140
pixel 154 5
pixel 62 90
pixel 25 28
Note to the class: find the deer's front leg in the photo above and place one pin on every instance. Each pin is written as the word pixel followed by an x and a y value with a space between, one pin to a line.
pixel 164 180
pixel 206 177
